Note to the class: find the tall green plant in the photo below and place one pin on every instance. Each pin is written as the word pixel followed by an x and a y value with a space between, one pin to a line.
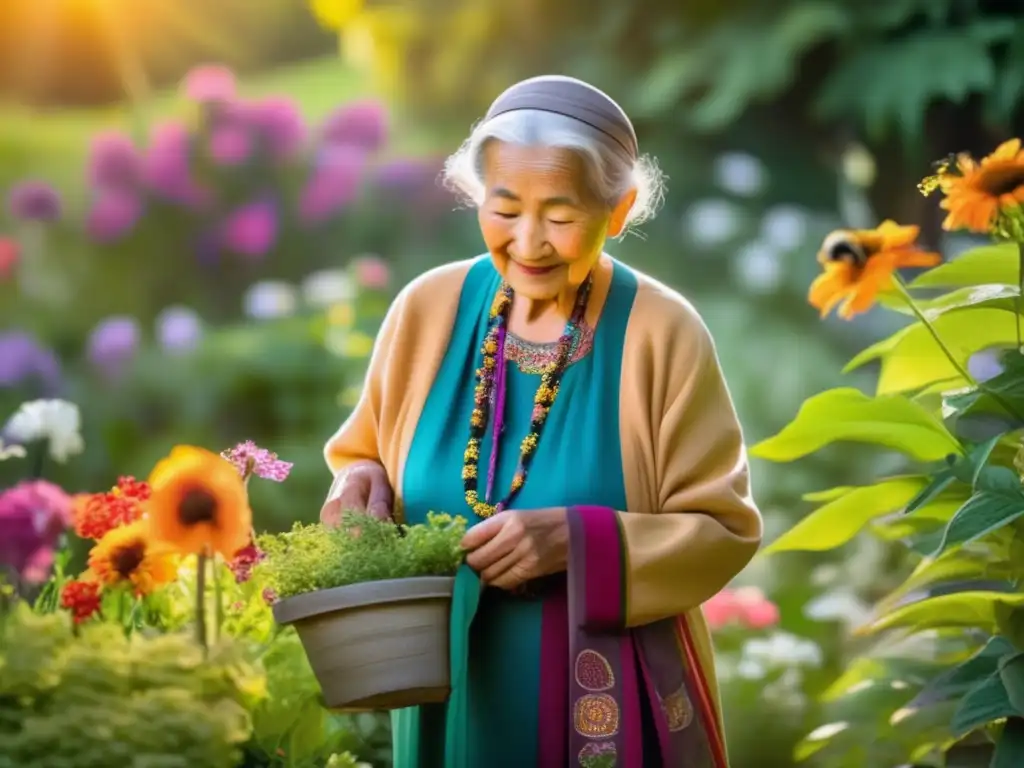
pixel 941 676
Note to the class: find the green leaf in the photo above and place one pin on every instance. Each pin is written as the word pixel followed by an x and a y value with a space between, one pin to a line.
pixel 983 513
pixel 993 296
pixel 307 735
pixel 838 521
pixel 931 518
pixel 968 610
pixel 911 358
pixel 986 265
pixel 1011 670
pixel 1007 386
pixel 955 566
pixel 847 414
pixel 938 483
pixel 984 703
pixel 956 682
pixel 830 494
pixel 1010 745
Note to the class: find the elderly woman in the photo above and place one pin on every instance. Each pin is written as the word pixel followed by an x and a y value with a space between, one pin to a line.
pixel 573 410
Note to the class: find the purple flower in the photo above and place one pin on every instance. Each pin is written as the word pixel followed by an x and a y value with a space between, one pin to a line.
pixel 334 184
pixel 166 166
pixel 34 201
pixel 252 229
pixel 178 329
pixel 23 358
pixel 279 123
pixel 409 178
pixel 362 124
pixel 33 515
pixel 113 215
pixel 230 145
pixel 209 83
pixel 113 343
pixel 249 459
pixel 114 162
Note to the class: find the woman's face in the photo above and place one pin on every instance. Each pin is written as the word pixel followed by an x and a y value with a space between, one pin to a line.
pixel 542 225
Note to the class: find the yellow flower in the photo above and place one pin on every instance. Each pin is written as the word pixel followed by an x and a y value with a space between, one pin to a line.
pixel 199 503
pixel 859 264
pixel 129 555
pixel 358 345
pixel 977 193
pixel 335 14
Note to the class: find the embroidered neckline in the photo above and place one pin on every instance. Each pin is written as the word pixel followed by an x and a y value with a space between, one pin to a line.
pixel 534 357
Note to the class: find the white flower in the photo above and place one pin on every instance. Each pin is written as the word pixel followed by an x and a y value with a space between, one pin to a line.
pixel 56 421
pixel 740 173
pixel 270 300
pixel 782 649
pixel 327 287
pixel 11 451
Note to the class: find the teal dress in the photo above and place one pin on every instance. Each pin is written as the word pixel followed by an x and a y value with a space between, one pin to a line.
pixel 578 462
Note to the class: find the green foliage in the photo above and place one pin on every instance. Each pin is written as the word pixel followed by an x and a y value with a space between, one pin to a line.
pixel 958 510
pixel 94 698
pixel 314 557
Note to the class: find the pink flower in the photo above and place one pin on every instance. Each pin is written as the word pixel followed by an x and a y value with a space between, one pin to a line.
pixel 280 125
pixel 230 144
pixel 113 215
pixel 252 229
pixel 244 561
pixel 251 460
pixel 362 124
pixel 209 82
pixel 757 611
pixel 269 596
pixel 333 185
pixel 114 161
pixel 166 166
pixel 722 610
pixel 10 254
pixel 33 516
pixel 371 272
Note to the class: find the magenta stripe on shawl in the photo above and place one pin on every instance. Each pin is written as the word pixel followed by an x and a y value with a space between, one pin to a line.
pixel 604 585
pixel 552 743
pixel 632 730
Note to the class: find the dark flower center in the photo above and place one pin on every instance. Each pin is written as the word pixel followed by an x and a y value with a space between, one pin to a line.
pixel 126 559
pixel 197 507
pixel 1002 180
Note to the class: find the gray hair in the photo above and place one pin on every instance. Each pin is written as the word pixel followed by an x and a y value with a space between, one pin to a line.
pixel 612 173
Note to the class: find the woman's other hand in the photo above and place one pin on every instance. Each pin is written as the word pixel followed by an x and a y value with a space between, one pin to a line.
pixel 516 546
pixel 363 487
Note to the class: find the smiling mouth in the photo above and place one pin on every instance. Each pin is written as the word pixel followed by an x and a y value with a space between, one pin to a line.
pixel 535 271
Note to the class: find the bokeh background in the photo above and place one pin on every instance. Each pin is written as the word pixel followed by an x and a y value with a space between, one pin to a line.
pixel 210 204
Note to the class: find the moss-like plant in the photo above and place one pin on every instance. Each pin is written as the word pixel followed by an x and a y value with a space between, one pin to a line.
pixel 360 549
pixel 93 698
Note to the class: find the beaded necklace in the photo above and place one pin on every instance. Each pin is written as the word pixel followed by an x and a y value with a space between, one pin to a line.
pixel 490 384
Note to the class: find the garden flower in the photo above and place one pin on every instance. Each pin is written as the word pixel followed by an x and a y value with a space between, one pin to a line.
pixel 408 178
pixel 128 555
pixel 10 253
pixel 209 83
pixel 249 459
pixel 244 561
pixel 113 343
pixel 178 329
pixel 82 598
pixel 327 287
pixel 33 515
pixel 269 299
pixel 333 185
pixel 11 452
pixel 166 166
pixel 858 264
pixel 114 162
pixel 23 358
pixel 199 503
pixel 252 229
pixel 279 123
pixel 34 201
pixel 362 124
pixel 96 514
pixel 747 607
pixel 979 196
pixel 371 272
pixel 231 136
pixel 56 421
pixel 113 215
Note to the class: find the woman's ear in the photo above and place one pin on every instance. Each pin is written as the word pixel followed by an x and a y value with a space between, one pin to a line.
pixel 620 213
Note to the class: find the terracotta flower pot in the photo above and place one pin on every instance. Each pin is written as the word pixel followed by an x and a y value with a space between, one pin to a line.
pixel 377 645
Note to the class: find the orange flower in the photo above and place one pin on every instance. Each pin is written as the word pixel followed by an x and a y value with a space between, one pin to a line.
pixel 860 263
pixel 199 503
pixel 978 194
pixel 128 555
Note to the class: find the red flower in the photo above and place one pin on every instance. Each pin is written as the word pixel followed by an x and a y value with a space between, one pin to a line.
pixel 82 598
pixel 96 514
pixel 244 561
pixel 10 252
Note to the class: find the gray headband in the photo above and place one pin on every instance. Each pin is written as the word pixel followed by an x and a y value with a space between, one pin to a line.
pixel 572 98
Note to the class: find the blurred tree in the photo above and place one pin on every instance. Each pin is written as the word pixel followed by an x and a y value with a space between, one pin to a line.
pixel 90 52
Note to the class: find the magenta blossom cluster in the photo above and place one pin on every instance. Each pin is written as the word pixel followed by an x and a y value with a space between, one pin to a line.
pixel 250 460
pixel 33 516
pixel 245 172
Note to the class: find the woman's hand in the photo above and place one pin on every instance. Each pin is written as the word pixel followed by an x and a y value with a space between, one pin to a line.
pixel 515 546
pixel 364 487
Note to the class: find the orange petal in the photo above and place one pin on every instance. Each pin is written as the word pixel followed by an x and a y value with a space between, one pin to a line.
pixel 916 258
pixel 897 236
pixel 1006 151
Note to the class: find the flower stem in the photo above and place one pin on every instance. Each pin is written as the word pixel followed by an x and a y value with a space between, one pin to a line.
pixel 957 365
pixel 1020 290
pixel 200 599
pixel 218 601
